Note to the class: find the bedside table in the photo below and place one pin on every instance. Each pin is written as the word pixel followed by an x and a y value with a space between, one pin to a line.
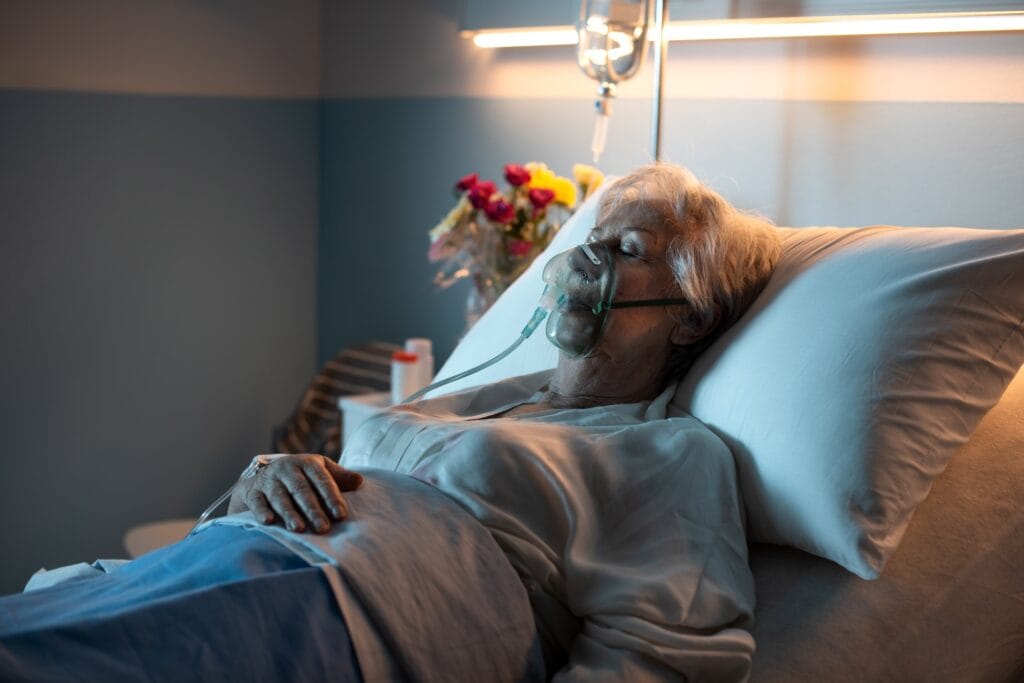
pixel 357 408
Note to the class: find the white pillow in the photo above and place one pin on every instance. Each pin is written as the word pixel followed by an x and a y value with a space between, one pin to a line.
pixel 503 321
pixel 869 358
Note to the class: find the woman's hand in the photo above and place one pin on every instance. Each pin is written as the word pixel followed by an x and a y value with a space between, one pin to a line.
pixel 300 490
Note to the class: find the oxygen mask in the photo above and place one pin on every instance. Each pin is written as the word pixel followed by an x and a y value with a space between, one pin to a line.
pixel 579 293
pixel 579 288
pixel 580 284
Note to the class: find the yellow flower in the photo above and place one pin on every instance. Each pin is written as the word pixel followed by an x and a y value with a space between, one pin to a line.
pixel 565 191
pixel 543 178
pixel 588 177
pixel 540 176
pixel 583 173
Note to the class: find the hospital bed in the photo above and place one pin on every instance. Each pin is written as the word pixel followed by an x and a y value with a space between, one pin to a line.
pixel 949 602
pixel 873 398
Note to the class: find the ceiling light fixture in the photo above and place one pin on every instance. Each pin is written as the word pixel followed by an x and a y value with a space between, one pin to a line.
pixel 803 27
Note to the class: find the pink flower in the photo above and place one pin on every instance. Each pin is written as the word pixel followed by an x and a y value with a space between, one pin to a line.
pixel 541 197
pixel 467 182
pixel 518 247
pixel 516 175
pixel 480 194
pixel 500 211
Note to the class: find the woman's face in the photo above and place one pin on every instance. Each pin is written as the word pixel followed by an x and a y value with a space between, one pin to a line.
pixel 638 242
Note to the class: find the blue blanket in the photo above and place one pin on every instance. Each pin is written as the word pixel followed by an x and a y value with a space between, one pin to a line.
pixel 225 604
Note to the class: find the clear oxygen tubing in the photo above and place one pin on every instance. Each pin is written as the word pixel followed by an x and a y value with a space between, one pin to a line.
pixel 547 303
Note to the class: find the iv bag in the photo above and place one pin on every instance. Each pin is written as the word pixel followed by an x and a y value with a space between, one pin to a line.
pixel 612 38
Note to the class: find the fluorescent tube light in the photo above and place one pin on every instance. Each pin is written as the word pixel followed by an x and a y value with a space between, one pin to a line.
pixel 870 25
pixel 555 35
pixel 738 29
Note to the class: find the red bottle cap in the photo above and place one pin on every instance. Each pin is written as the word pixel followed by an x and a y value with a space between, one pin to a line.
pixel 404 357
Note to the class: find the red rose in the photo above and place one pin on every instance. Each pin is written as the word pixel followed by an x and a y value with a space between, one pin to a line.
pixel 500 211
pixel 480 194
pixel 541 197
pixel 518 247
pixel 516 175
pixel 467 182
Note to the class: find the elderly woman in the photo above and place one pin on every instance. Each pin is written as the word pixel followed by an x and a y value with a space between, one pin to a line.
pixel 559 525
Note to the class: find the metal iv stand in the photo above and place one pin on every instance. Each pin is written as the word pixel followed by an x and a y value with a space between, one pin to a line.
pixel 660 51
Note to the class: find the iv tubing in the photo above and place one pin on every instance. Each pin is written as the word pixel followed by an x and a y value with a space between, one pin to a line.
pixel 257 463
pixel 603 106
pixel 600 135
pixel 547 303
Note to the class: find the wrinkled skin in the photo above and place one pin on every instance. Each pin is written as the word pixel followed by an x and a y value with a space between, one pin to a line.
pixel 301 491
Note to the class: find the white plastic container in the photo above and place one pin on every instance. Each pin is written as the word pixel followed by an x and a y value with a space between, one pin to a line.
pixel 423 348
pixel 405 376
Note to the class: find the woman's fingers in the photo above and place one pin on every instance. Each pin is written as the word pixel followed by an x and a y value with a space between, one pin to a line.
pixel 303 491
pixel 258 505
pixel 319 475
pixel 281 502
pixel 308 502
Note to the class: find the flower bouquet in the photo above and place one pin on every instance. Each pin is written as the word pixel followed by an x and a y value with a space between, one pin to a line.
pixel 492 236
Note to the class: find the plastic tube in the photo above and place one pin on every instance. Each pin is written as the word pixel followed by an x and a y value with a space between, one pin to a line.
pixel 600 135
pixel 258 463
pixel 547 302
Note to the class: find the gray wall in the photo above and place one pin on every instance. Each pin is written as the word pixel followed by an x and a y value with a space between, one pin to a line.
pixel 157 262
pixel 244 48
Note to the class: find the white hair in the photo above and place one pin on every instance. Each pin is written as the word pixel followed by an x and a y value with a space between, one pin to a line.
pixel 721 257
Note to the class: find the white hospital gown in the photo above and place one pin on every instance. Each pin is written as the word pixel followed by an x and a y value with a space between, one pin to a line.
pixel 624 525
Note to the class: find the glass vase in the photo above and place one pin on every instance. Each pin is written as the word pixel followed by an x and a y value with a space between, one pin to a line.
pixel 483 292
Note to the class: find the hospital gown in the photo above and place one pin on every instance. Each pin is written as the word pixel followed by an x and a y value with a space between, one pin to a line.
pixel 593 544
pixel 624 524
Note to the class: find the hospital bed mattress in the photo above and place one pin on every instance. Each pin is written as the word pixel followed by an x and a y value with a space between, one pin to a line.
pixel 948 606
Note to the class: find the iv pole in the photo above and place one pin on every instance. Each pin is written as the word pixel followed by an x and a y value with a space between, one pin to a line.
pixel 660 51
